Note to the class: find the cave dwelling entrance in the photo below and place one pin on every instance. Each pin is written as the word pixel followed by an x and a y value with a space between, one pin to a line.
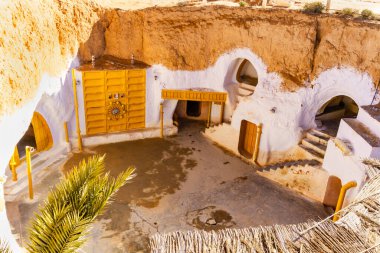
pixel 37 136
pixel 329 115
pixel 195 105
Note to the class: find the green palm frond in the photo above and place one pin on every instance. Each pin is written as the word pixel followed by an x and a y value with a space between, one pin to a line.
pixel 4 247
pixel 65 217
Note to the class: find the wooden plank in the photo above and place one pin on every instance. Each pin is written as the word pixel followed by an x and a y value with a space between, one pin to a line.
pixel 207 96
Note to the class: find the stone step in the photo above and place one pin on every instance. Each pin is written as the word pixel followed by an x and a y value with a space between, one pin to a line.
pixel 317 138
pixel 12 192
pixel 247 87
pixel 316 146
pixel 40 164
pixel 317 156
pixel 289 164
pixel 244 92
pixel 321 134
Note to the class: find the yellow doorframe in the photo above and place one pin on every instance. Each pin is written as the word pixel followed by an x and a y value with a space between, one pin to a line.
pixel 43 137
pixel 193 95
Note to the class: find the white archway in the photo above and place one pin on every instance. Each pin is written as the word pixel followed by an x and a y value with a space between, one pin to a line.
pixel 332 83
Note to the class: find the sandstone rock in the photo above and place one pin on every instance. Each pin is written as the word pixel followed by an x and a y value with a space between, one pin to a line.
pixel 293 44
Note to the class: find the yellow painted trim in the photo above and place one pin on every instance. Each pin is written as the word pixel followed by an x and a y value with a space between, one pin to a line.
pixel 28 152
pixel 162 120
pixel 257 142
pixel 206 96
pixel 342 195
pixel 15 160
pixel 66 132
pixel 76 110
pixel 42 134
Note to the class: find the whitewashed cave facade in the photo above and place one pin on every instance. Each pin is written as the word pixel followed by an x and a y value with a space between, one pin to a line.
pixel 284 115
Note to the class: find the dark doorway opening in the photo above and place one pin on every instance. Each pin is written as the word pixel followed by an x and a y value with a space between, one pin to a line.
pixel 29 139
pixel 329 115
pixel 193 108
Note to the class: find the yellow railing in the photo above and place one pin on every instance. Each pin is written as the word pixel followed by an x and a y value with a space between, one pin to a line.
pixel 76 110
pixel 28 156
pixel 66 132
pixel 15 160
pixel 342 195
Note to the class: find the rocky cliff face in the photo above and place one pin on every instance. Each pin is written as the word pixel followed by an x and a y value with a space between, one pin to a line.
pixel 295 45
pixel 38 37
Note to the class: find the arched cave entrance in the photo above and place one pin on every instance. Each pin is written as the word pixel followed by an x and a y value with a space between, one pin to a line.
pixel 38 136
pixel 329 115
pixel 188 110
pixel 247 78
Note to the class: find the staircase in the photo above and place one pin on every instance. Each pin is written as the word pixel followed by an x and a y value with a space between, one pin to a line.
pixel 315 144
pixel 289 164
pixel 304 176
pixel 245 90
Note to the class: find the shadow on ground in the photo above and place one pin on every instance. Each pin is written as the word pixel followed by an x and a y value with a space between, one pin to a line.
pixel 183 182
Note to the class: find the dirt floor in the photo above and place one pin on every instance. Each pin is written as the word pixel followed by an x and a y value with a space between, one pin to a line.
pixel 184 182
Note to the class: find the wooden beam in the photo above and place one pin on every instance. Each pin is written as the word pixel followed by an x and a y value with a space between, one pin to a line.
pixel 205 96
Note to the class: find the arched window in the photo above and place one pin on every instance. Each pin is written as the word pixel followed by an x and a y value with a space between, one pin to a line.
pixel 247 73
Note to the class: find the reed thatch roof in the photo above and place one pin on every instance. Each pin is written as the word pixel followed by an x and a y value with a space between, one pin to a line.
pixel 358 230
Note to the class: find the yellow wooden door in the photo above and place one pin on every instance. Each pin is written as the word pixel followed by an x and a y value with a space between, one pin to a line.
pixel 136 98
pixel 94 102
pixel 114 100
pixel 42 134
pixel 116 97
pixel 247 140
pixel 250 136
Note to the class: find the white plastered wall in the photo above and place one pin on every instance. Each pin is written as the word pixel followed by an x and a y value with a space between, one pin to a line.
pixel 219 77
pixel 284 114
pixel 52 101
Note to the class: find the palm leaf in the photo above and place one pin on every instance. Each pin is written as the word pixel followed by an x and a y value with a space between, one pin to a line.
pixel 65 217
pixel 4 247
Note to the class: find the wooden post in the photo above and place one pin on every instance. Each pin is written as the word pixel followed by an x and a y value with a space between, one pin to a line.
pixel 28 151
pixel 209 115
pixel 257 142
pixel 221 112
pixel 66 131
pixel 13 164
pixel 76 110
pixel 162 120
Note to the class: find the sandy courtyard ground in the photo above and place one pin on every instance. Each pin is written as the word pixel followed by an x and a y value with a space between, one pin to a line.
pixel 183 182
